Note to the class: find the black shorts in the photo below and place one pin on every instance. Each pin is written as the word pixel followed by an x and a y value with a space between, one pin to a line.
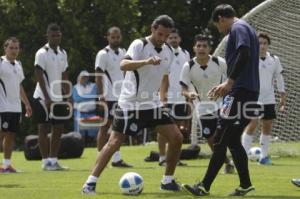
pixel 132 121
pixel 179 111
pixel 109 111
pixel 238 108
pixel 209 124
pixel 59 114
pixel 268 112
pixel 10 122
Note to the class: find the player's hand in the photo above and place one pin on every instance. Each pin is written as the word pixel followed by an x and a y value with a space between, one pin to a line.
pixel 48 102
pixel 155 60
pixel 28 111
pixel 282 105
pixel 220 90
pixel 192 95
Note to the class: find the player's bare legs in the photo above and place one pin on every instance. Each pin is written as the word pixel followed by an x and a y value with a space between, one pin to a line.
pixel 174 138
pixel 113 144
pixel 102 135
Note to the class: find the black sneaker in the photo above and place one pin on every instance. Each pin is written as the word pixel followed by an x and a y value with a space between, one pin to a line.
pixel 121 163
pixel 89 188
pixel 162 163
pixel 182 164
pixel 296 182
pixel 172 186
pixel 195 190
pixel 241 191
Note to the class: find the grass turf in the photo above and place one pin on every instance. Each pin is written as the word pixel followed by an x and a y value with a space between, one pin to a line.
pixel 271 182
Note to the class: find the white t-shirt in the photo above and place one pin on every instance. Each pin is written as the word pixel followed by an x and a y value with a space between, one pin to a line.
pixel 11 76
pixel 203 80
pixel 270 69
pixel 109 62
pixel 53 65
pixel 140 87
pixel 174 91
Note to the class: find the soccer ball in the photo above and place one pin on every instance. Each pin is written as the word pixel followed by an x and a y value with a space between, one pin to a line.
pixel 131 183
pixel 254 153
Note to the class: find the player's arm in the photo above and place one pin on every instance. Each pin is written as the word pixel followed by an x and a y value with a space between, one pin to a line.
pixel 99 83
pixel 185 81
pixel 163 91
pixel 127 64
pixel 65 86
pixel 280 84
pixel 25 101
pixel 40 79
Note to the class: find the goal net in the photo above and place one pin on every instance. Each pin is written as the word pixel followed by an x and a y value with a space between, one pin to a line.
pixel 281 20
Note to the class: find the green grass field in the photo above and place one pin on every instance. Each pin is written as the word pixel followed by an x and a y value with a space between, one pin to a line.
pixel 271 182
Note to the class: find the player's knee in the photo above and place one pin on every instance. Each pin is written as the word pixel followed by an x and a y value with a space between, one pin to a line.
pixel 176 139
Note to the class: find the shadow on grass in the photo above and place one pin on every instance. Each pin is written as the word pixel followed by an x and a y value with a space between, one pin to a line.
pixel 159 194
pixel 11 186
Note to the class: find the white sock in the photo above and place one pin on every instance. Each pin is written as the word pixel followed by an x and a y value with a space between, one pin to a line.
pixel 116 157
pixel 53 160
pixel 6 163
pixel 162 158
pixel 247 141
pixel 91 179
pixel 167 179
pixel 264 144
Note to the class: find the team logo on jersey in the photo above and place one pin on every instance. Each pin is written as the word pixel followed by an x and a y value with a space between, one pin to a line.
pixel 133 127
pixel 5 125
pixel 206 131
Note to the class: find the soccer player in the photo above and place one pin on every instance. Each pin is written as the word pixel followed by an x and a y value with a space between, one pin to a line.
pixel 11 95
pixel 204 72
pixel 50 111
pixel 147 64
pixel 296 182
pixel 240 91
pixel 270 69
pixel 175 101
pixel 109 88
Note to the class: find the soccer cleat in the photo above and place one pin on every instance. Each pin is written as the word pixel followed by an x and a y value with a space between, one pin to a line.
pixel 229 168
pixel 241 191
pixel 89 188
pixel 296 182
pixel 9 169
pixel 172 186
pixel 54 167
pixel 265 161
pixel 164 163
pixel 196 189
pixel 46 167
pixel 121 163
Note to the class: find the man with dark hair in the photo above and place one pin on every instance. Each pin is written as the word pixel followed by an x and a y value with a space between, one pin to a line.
pixel 11 95
pixel 240 92
pixel 147 64
pixel 109 80
pixel 201 74
pixel 51 71
pixel 270 69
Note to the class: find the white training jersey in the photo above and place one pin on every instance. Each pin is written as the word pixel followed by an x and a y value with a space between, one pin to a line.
pixel 174 92
pixel 53 65
pixel 140 87
pixel 270 69
pixel 108 60
pixel 11 76
pixel 204 78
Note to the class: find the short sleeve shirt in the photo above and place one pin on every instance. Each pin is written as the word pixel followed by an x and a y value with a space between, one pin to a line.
pixel 53 65
pixel 11 76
